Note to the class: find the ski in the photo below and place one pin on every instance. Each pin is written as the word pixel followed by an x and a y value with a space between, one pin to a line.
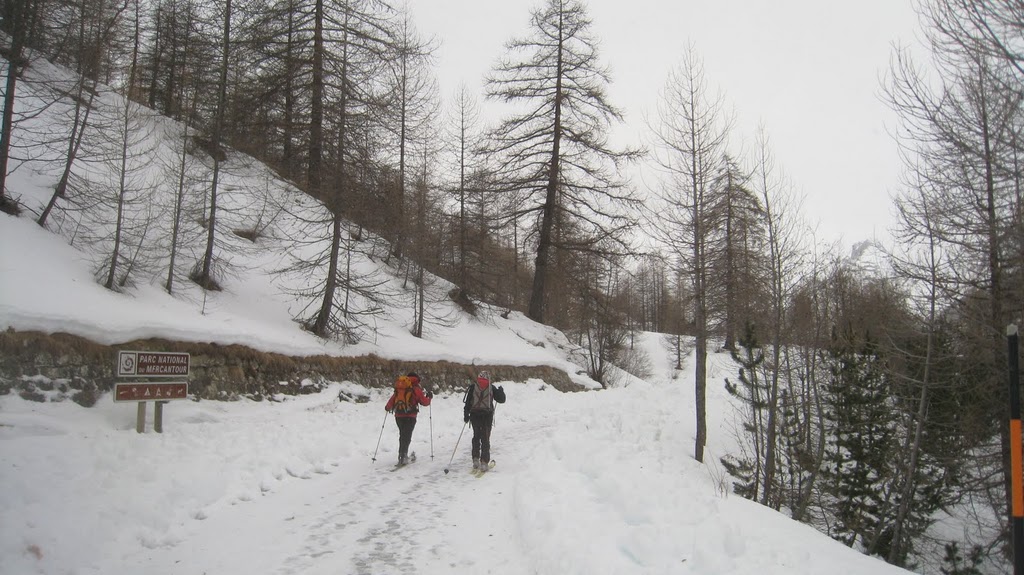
pixel 478 473
pixel 412 459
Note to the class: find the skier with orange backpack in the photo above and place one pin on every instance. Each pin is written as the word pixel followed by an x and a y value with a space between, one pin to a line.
pixel 405 402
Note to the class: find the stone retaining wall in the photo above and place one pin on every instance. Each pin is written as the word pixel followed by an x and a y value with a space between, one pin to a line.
pixel 39 366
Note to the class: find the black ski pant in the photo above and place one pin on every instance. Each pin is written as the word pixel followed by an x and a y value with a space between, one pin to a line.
pixel 482 422
pixel 405 427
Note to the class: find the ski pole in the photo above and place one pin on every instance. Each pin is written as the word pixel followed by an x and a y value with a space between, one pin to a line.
pixel 430 413
pixel 456 446
pixel 379 436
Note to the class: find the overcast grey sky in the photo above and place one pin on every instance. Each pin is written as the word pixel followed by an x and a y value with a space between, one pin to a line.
pixel 810 71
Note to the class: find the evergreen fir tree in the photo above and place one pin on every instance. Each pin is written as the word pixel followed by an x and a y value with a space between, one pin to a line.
pixel 955 564
pixel 863 433
pixel 798 460
pixel 752 391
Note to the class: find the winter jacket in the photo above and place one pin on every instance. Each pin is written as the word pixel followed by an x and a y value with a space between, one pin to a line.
pixel 497 395
pixel 419 398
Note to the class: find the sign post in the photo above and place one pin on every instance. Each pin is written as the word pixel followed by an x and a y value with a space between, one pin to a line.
pixel 151 364
pixel 1016 452
pixel 158 416
pixel 140 418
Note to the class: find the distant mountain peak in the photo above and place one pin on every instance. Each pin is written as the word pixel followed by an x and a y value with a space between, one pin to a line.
pixel 861 248
pixel 869 258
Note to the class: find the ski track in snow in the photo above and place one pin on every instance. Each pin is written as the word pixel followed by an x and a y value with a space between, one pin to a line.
pixel 318 523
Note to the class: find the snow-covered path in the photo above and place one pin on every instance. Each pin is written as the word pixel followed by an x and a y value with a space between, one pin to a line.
pixel 362 520
pixel 362 517
pixel 359 516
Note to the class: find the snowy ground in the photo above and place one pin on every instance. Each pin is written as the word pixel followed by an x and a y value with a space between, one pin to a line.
pixel 597 482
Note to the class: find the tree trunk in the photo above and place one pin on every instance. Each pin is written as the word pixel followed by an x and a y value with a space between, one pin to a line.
pixel 123 175
pixel 205 276
pixel 700 392
pixel 14 65
pixel 537 295
pixel 316 117
pixel 995 279
pixel 323 319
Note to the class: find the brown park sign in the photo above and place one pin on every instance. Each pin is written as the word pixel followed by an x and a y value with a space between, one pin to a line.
pixel 141 391
pixel 152 364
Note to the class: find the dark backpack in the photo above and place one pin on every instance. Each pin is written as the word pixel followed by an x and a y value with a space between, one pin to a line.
pixel 405 395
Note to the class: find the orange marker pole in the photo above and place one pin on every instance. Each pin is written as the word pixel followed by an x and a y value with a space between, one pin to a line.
pixel 1016 451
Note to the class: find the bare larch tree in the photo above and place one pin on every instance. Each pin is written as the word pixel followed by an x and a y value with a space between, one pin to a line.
pixel 554 148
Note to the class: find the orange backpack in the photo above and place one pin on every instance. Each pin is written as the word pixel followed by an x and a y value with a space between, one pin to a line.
pixel 405 396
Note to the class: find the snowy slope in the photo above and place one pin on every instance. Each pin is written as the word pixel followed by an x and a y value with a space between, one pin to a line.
pixel 257 307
